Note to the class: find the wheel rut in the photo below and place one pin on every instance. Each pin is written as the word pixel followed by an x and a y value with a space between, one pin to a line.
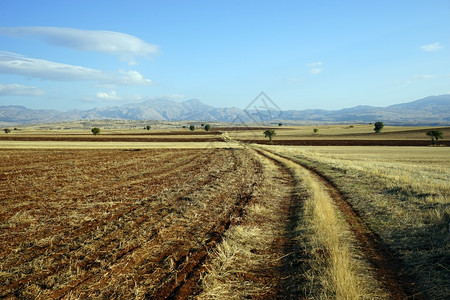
pixel 389 269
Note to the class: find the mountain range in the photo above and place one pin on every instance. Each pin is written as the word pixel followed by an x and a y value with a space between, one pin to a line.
pixel 433 110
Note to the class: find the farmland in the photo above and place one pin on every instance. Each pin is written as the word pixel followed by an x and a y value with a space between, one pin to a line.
pixel 179 214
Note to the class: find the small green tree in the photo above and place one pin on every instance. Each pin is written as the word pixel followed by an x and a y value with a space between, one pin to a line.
pixel 148 127
pixel 316 130
pixel 7 130
pixel 207 127
pixel 192 127
pixel 95 130
pixel 270 134
pixel 378 127
pixel 435 135
pixel 280 124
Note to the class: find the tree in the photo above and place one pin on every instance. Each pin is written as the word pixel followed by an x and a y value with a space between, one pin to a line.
pixel 207 127
pixel 148 127
pixel 316 130
pixel 192 127
pixel 280 124
pixel 7 130
pixel 270 134
pixel 435 135
pixel 95 130
pixel 378 127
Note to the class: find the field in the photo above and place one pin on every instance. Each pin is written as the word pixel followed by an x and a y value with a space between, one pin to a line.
pixel 176 214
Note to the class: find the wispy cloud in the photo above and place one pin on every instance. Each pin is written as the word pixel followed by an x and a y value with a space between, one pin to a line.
pixel 112 96
pixel 19 90
pixel 432 47
pixel 127 47
pixel 419 77
pixel 11 63
pixel 315 67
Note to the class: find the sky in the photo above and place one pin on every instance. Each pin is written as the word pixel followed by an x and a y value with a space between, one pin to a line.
pixel 302 54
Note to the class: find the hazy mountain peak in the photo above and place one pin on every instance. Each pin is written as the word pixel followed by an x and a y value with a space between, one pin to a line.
pixel 433 110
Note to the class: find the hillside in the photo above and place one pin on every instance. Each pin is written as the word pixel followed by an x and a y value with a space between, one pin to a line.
pixel 434 110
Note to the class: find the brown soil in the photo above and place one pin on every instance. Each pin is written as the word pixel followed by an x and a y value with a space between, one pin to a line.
pixel 110 223
pixel 106 138
pixel 213 138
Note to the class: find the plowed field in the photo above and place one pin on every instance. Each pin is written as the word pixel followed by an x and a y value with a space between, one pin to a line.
pixel 111 223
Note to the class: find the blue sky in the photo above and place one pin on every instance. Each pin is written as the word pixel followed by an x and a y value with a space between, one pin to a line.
pixel 303 54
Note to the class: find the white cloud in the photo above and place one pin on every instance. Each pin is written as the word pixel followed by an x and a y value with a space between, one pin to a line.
pixel 11 63
pixel 315 64
pixel 315 71
pixel 422 76
pixel 419 77
pixel 19 90
pixel 432 47
pixel 133 78
pixel 108 97
pixel 127 47
pixel 315 67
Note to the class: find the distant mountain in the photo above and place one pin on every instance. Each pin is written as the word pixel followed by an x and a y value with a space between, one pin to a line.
pixel 434 110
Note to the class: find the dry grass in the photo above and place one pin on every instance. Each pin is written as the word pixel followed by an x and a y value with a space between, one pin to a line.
pixel 403 195
pixel 333 270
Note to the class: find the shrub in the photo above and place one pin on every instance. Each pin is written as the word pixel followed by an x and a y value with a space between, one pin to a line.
pixel 378 127
pixel 148 127
pixel 7 130
pixel 435 135
pixel 270 134
pixel 192 127
pixel 95 130
pixel 316 130
pixel 207 127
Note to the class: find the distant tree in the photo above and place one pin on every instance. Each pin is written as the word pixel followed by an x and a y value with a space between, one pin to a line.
pixel 202 125
pixel 192 127
pixel 270 134
pixel 435 135
pixel 207 127
pixel 316 130
pixel 7 130
pixel 378 127
pixel 95 130
pixel 280 124
pixel 15 128
pixel 148 127
pixel 184 126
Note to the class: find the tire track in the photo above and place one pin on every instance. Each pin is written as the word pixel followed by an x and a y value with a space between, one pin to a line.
pixel 388 268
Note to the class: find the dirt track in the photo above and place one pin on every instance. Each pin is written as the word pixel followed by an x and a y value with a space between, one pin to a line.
pixel 388 268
